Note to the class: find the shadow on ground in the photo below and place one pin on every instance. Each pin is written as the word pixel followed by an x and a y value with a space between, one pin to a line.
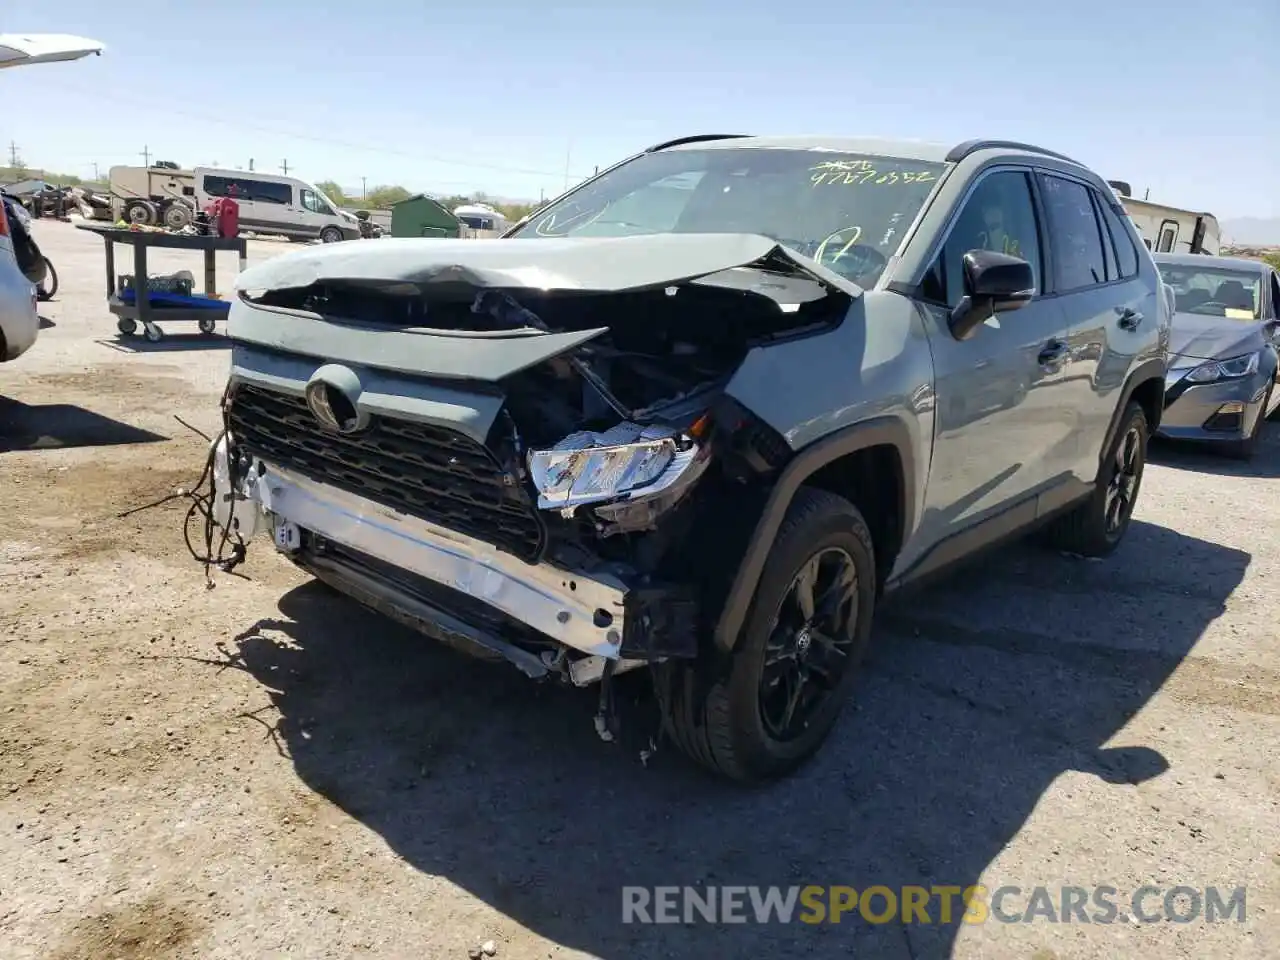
pixel 46 323
pixel 1207 458
pixel 170 343
pixel 964 718
pixel 53 426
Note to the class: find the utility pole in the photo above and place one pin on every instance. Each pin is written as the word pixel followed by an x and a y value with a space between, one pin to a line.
pixel 15 160
pixel 364 188
pixel 284 167
pixel 146 156
pixel 95 170
pixel 251 164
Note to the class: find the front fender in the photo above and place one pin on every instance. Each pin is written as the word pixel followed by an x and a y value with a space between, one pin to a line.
pixel 884 430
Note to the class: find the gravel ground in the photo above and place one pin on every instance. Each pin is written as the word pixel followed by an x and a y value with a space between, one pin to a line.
pixel 266 770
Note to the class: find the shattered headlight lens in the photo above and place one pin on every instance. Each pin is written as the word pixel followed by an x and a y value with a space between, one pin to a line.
pixel 1232 369
pixel 589 467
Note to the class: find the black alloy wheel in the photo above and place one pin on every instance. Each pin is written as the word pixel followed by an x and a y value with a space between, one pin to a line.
pixel 1126 473
pixel 809 647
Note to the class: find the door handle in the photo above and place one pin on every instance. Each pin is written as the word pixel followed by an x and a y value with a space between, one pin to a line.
pixel 1129 319
pixel 1052 353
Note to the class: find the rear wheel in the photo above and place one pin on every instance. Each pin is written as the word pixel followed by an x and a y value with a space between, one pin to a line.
pixel 770 705
pixel 49 285
pixel 177 215
pixel 1096 527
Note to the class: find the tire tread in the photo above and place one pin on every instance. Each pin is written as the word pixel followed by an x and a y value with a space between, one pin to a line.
pixel 702 728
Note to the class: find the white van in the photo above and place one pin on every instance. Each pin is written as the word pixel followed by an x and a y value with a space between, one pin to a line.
pixel 271 204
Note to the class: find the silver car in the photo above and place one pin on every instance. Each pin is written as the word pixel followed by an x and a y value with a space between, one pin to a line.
pixel 1221 384
pixel 19 323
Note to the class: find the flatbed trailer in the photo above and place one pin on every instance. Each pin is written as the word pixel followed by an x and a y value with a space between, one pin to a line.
pixel 142 311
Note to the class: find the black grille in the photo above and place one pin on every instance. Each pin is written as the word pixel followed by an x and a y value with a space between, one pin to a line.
pixel 429 472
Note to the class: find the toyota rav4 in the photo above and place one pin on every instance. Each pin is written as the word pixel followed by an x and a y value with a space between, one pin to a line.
pixel 701 412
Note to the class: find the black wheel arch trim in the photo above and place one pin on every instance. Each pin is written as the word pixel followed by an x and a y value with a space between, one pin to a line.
pixel 1153 369
pixel 860 436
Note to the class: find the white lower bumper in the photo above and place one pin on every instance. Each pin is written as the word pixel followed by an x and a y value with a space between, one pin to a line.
pixel 582 612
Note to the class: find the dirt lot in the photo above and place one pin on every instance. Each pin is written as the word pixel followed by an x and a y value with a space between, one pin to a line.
pixel 265 770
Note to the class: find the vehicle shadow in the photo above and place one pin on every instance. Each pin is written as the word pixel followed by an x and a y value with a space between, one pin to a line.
pixel 961 722
pixel 46 323
pixel 1203 458
pixel 171 343
pixel 52 426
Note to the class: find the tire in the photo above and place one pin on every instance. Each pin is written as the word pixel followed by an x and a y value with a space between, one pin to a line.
pixel 177 215
pixel 207 325
pixel 1086 530
pixel 330 235
pixel 1245 448
pixel 49 286
pixel 140 212
pixel 127 326
pixel 153 333
pixel 715 710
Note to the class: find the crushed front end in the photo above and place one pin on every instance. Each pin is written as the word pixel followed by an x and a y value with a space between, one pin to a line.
pixel 548 473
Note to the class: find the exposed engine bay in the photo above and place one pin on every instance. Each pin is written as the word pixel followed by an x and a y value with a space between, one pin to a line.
pixel 615 476
pixel 613 434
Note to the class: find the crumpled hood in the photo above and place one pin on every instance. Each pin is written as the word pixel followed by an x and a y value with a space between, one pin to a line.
pixel 594 264
pixel 1198 337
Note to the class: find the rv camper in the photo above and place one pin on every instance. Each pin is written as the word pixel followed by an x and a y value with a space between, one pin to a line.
pixel 479 220
pixel 1170 229
pixel 153 195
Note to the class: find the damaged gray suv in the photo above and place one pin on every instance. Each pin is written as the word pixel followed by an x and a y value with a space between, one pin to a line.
pixel 700 413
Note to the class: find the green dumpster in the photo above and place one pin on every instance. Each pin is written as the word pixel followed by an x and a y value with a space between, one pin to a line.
pixel 421 216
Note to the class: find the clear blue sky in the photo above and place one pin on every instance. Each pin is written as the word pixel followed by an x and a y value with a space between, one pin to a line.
pixel 1171 95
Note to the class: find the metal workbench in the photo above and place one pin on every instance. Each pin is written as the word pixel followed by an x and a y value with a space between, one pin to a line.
pixel 142 311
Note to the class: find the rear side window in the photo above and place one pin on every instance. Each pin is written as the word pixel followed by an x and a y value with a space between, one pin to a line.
pixel 1075 236
pixel 216 186
pixel 269 192
pixel 1121 241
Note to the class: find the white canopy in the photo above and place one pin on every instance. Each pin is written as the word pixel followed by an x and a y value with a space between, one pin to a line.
pixel 19 50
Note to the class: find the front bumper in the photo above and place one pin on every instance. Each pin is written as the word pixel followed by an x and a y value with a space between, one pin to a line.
pixel 1224 411
pixel 598 614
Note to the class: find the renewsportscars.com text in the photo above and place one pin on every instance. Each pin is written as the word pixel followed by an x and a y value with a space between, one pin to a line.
pixel 940 904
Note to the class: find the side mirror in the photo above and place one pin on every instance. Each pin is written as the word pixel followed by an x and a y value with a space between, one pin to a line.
pixel 993 283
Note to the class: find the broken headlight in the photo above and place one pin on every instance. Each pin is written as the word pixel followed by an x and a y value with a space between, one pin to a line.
pixel 625 461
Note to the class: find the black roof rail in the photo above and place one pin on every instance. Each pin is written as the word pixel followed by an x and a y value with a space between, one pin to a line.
pixel 696 138
pixel 962 150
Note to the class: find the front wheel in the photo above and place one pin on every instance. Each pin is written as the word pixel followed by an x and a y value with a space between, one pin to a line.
pixel 1096 527
pixel 330 235
pixel 771 704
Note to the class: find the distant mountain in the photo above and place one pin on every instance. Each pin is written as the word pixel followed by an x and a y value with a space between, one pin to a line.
pixel 1252 231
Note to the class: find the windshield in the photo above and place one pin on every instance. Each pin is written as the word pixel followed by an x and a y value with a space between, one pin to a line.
pixel 847 211
pixel 1214 292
